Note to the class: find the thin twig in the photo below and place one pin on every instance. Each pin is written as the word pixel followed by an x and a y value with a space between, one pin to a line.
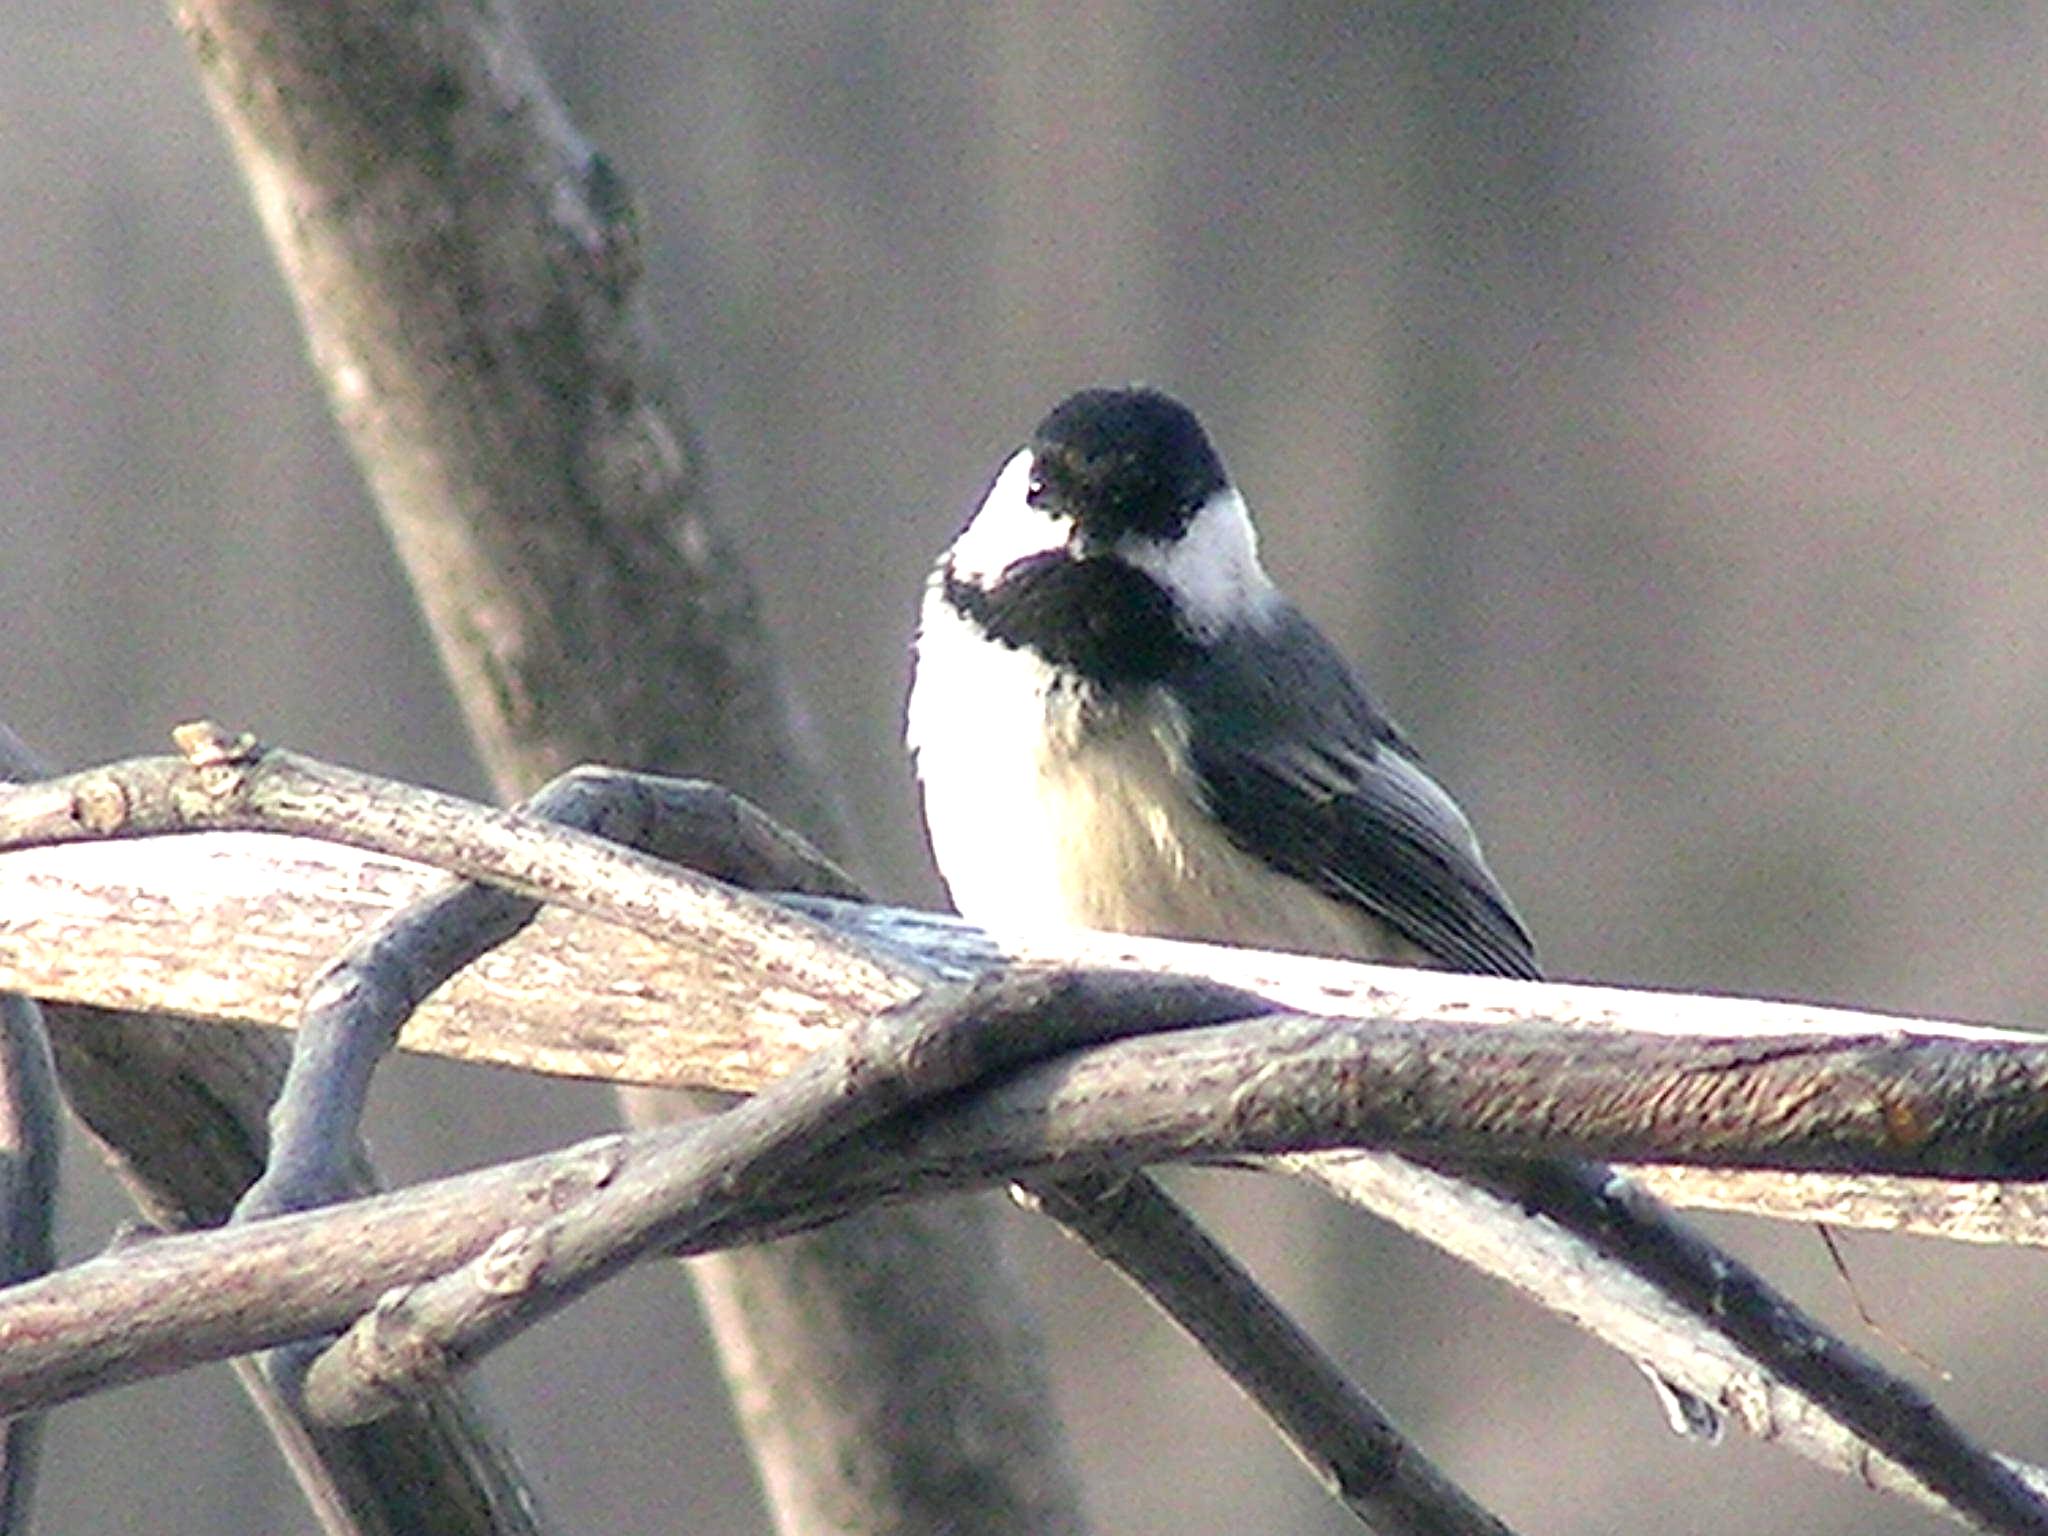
pixel 1354 1450
pixel 1882 1408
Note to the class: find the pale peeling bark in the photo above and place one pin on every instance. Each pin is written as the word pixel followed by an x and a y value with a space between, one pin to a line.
pixel 233 925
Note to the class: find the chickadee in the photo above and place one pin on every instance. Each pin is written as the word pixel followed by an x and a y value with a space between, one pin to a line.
pixel 1119 722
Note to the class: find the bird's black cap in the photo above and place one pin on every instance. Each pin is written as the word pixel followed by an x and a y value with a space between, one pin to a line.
pixel 1124 461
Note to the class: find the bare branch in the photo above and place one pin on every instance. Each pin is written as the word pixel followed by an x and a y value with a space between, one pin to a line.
pixel 179 1300
pixel 234 781
pixel 1847 1090
pixel 943 1043
pixel 412 1339
pixel 355 1008
pixel 179 1109
pixel 2006 1213
pixel 1352 1447
pixel 1795 1407
pixel 203 927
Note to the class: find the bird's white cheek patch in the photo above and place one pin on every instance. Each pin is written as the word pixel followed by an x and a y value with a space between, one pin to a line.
pixel 1006 528
pixel 1213 568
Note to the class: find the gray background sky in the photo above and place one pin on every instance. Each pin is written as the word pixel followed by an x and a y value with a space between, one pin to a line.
pixel 1649 398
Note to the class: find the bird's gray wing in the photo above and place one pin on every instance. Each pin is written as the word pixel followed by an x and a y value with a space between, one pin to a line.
pixel 1304 773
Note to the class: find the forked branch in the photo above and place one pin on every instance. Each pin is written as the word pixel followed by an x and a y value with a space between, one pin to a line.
pixel 1831 1098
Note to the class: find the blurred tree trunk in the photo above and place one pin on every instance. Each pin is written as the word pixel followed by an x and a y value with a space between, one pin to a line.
pixel 466 271
pixel 1497 98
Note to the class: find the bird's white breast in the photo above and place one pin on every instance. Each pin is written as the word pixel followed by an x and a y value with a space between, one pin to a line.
pixel 1043 814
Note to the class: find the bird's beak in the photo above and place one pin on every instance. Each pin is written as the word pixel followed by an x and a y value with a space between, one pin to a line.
pixel 1084 543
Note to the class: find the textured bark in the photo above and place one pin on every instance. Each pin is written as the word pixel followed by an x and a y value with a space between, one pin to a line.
pixel 465 269
pixel 236 930
pixel 178 1107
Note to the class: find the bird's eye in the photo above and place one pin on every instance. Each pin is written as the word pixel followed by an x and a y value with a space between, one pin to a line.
pixel 1035 489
